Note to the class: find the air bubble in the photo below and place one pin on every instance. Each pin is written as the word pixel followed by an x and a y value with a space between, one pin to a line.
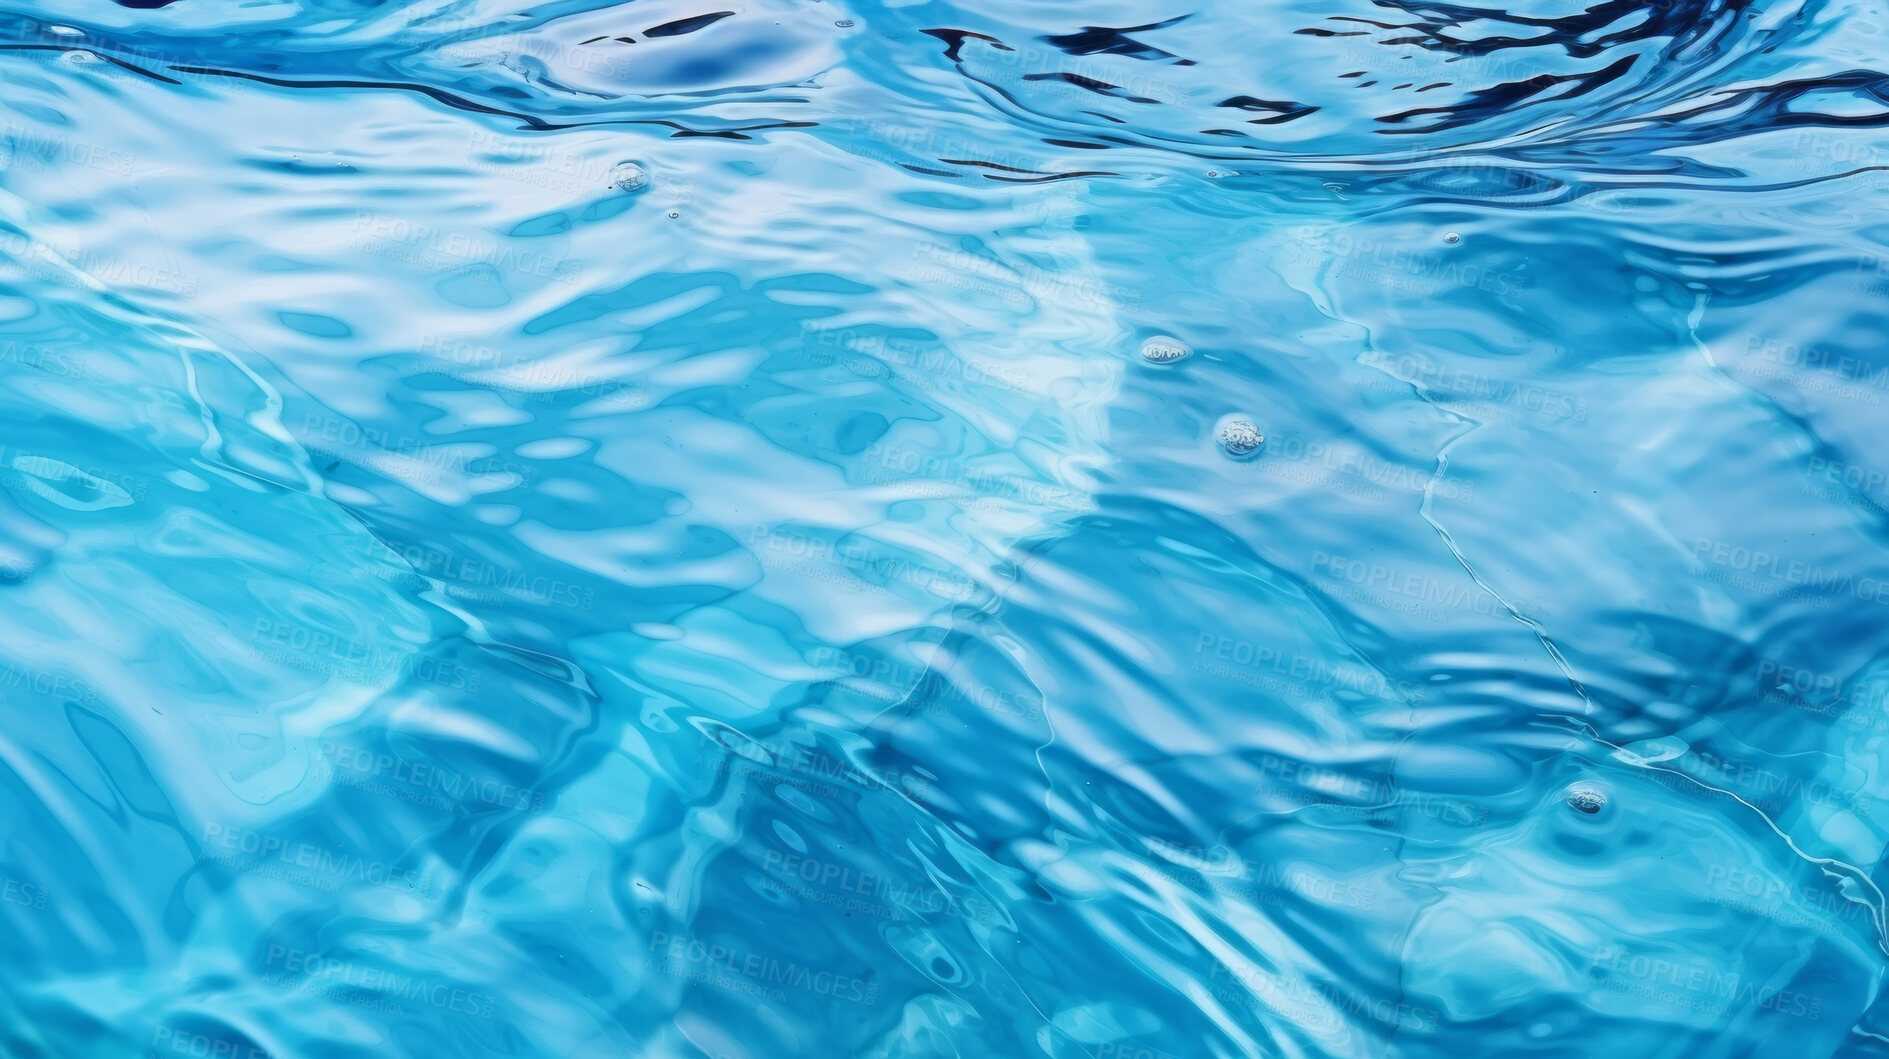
pixel 845 23
pixel 1162 349
pixel 1239 436
pixel 629 176
pixel 1589 800
pixel 1452 238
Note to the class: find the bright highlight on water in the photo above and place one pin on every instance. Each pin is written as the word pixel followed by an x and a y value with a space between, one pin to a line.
pixel 920 530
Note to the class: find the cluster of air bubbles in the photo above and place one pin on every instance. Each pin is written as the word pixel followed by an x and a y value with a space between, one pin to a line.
pixel 629 176
pixel 1239 437
pixel 1162 349
pixel 1589 800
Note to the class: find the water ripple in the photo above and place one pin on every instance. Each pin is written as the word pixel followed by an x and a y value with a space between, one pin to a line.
pixel 914 529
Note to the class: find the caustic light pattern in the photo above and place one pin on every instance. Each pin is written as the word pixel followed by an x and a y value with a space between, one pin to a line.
pixel 943 528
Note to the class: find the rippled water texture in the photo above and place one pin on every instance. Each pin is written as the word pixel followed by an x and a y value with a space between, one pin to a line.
pixel 782 529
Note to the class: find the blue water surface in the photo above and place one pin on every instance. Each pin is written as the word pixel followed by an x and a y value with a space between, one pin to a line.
pixel 741 529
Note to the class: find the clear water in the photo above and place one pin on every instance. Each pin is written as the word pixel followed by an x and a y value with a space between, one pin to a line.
pixel 576 530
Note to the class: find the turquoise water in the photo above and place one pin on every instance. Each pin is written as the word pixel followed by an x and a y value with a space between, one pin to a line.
pixel 915 529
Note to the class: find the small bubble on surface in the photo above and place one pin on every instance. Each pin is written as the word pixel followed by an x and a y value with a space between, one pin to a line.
pixel 1452 238
pixel 845 23
pixel 1162 349
pixel 1589 800
pixel 1239 436
pixel 629 176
